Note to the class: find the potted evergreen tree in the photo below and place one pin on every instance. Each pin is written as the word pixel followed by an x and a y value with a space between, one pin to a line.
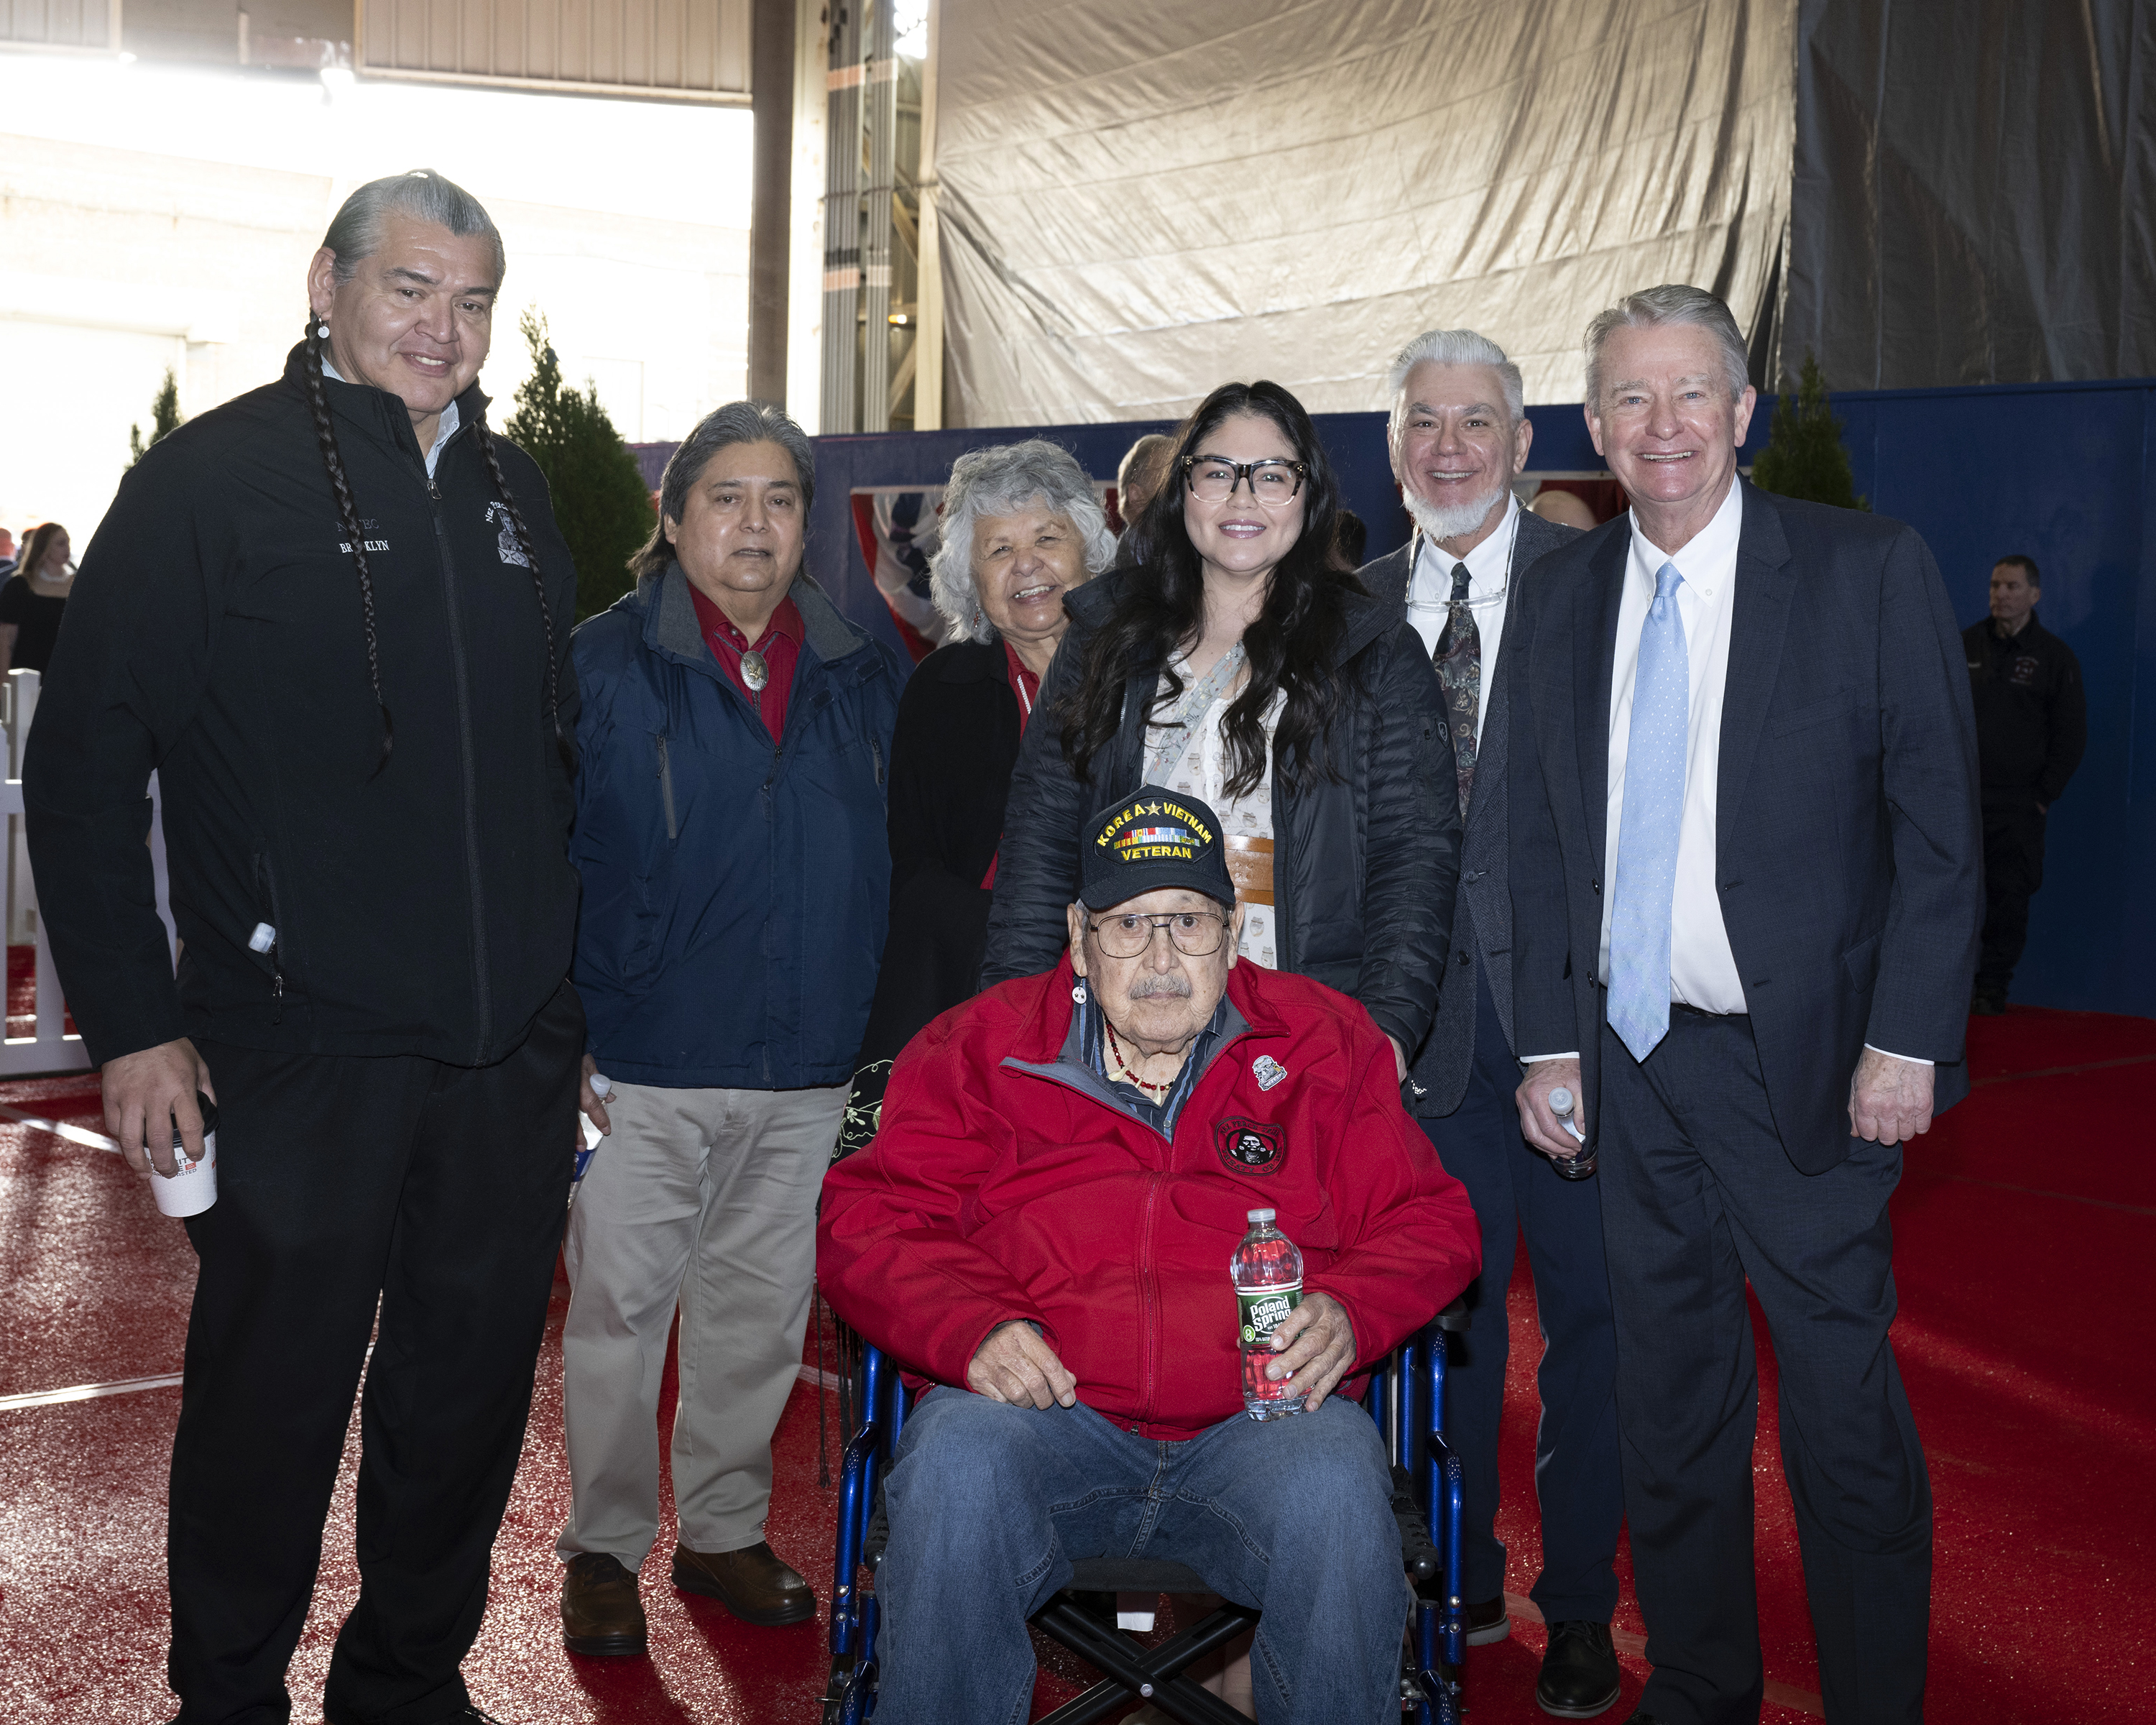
pixel 1805 457
pixel 165 418
pixel 601 503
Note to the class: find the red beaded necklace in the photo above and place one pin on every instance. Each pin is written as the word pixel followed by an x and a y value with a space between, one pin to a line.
pixel 1129 1073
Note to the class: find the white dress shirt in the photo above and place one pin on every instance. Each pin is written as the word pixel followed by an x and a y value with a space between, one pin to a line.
pixel 1702 969
pixel 445 429
pixel 1489 580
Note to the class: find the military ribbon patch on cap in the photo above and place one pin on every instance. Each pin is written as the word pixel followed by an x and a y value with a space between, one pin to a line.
pixel 1268 1071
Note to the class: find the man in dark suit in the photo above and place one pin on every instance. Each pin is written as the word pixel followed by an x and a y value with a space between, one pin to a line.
pixel 1459 437
pixel 1746 888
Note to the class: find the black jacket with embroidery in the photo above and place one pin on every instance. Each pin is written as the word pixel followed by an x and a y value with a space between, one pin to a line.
pixel 2031 711
pixel 1367 865
pixel 215 635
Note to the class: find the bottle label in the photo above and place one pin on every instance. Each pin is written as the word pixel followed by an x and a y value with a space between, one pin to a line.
pixel 1260 1310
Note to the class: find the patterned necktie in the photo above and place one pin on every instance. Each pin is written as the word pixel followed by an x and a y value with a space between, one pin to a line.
pixel 1458 658
pixel 1653 815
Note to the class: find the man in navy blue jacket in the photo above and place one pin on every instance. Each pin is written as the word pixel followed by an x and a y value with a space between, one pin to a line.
pixel 731 834
pixel 1746 891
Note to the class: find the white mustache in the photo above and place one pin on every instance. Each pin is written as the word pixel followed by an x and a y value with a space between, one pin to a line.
pixel 1170 983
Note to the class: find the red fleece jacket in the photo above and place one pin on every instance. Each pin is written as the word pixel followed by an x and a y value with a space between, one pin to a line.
pixel 992 1193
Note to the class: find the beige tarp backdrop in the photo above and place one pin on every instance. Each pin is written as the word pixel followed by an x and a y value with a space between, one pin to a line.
pixel 1140 201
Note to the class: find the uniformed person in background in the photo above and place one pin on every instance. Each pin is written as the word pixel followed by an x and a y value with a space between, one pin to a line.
pixel 2031 726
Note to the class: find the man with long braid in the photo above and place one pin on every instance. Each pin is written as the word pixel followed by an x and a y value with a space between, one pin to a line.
pixel 334 615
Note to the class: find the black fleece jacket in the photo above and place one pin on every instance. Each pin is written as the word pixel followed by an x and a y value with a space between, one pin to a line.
pixel 2031 711
pixel 1364 868
pixel 215 635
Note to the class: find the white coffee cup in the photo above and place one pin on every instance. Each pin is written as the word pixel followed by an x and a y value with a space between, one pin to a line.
pixel 193 1189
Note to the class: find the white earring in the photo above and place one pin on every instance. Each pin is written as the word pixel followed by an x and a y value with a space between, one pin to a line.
pixel 1078 993
pixel 323 332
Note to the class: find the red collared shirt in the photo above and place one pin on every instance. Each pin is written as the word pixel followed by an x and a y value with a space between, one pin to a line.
pixel 780 644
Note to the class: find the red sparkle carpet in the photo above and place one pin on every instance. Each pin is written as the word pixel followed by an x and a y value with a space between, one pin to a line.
pixel 2023 1226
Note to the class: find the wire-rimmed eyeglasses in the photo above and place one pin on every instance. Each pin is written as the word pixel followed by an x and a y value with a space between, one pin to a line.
pixel 1272 481
pixel 1196 934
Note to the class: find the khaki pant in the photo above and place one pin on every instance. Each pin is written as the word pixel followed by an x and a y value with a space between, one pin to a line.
pixel 705 1197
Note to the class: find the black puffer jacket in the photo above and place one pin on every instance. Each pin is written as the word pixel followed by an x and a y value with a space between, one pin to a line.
pixel 1364 868
pixel 215 634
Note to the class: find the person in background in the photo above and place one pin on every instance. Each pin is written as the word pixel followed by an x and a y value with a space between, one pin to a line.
pixel 2031 726
pixel 730 830
pixel 1354 539
pixel 6 552
pixel 1240 664
pixel 1136 479
pixel 1459 435
pixel 1022 526
pixel 1745 862
pixel 1567 508
pixel 333 616
pixel 33 598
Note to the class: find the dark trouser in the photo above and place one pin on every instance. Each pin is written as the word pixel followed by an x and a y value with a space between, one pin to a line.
pixel 1697 1195
pixel 1576 1478
pixel 2012 871
pixel 442 1190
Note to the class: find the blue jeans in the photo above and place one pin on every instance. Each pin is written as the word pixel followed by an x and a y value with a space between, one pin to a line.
pixel 990 1503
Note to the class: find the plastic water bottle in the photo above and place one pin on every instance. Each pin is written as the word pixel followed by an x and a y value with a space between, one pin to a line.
pixel 587 1136
pixel 1572 1167
pixel 1267 1271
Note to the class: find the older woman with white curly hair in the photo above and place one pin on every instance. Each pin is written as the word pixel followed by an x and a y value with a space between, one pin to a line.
pixel 1022 526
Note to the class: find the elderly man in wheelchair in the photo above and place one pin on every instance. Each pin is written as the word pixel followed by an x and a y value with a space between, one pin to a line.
pixel 1042 1233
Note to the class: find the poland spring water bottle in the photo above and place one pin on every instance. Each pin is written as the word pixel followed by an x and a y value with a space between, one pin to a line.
pixel 1267 1271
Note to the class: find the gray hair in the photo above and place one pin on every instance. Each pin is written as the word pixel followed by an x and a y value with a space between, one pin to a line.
pixel 1455 347
pixel 356 229
pixel 1673 303
pixel 1003 480
pixel 738 421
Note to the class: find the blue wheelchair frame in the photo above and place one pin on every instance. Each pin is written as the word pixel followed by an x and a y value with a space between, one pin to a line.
pixel 1405 1396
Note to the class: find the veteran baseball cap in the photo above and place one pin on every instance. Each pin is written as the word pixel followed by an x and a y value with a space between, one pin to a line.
pixel 1142 844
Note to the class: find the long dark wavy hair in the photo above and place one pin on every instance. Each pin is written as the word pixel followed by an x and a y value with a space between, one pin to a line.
pixel 1291 647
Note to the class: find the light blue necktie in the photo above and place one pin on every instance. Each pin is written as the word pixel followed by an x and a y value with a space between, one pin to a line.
pixel 1654 814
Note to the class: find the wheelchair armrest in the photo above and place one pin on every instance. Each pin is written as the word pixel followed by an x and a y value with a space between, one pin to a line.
pixel 1455 1317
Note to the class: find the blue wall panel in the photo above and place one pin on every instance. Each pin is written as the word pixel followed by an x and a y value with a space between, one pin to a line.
pixel 2065 472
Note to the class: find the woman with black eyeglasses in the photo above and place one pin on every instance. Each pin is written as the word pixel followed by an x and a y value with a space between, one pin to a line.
pixel 1242 664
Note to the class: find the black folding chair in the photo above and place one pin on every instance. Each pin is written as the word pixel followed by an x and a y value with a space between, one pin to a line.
pixel 1406 1397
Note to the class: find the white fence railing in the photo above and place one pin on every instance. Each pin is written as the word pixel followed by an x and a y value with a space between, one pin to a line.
pixel 48 1049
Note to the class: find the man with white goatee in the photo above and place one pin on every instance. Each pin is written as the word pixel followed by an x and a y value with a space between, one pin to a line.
pixel 1459 438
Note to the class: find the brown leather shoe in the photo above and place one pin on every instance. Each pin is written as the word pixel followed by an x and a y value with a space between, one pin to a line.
pixel 752 1584
pixel 600 1610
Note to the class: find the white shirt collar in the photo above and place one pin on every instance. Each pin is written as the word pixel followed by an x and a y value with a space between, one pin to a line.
pixel 1709 556
pixel 1489 565
pixel 445 428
